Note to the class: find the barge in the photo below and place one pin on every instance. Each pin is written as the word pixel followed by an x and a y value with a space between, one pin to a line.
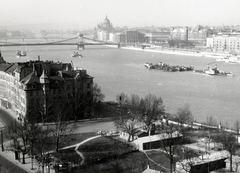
pixel 169 68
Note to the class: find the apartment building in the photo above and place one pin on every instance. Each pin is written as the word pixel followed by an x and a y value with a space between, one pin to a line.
pixel 25 86
pixel 229 42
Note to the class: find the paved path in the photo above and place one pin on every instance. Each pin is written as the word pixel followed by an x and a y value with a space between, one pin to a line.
pixel 83 142
pixel 79 144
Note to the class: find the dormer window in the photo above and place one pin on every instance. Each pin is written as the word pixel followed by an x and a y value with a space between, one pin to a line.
pixel 34 86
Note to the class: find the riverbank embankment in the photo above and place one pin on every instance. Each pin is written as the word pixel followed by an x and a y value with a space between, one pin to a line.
pixel 177 52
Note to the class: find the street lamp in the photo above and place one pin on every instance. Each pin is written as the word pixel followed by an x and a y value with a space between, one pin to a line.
pixel 2 140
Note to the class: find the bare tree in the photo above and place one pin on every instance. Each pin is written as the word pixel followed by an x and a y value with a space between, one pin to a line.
pixel 20 135
pixel 42 145
pixel 98 98
pixel 128 125
pixel 187 158
pixel 152 109
pixel 184 115
pixel 229 142
pixel 237 128
pixel 77 102
pixel 60 128
pixel 211 121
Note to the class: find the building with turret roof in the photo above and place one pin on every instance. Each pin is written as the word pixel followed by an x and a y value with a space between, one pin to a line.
pixel 25 86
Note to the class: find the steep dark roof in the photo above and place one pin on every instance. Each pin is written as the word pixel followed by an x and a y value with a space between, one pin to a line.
pixel 1 59
pixel 68 74
pixel 11 68
pixel 4 67
pixel 31 78
pixel 59 78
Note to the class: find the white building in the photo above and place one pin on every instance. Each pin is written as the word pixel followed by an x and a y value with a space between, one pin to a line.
pixel 229 42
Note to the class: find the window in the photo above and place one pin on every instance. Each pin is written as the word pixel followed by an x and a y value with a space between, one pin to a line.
pixel 88 85
pixel 31 93
pixel 88 94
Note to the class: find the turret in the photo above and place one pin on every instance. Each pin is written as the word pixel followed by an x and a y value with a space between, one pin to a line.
pixel 44 77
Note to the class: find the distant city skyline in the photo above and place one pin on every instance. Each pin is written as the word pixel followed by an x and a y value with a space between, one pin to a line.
pixel 86 14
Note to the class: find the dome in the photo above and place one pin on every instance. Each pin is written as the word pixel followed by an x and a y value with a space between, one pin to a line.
pixel 106 21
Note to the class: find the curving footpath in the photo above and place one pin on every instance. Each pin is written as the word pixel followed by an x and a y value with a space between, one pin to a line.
pixel 79 144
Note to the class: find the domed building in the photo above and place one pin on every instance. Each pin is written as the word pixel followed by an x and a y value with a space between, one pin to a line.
pixel 106 25
pixel 103 30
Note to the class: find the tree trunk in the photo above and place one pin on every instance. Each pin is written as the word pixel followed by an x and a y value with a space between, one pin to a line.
pixel 129 137
pixel 57 143
pixel 75 117
pixel 42 162
pixel 231 170
pixel 171 158
pixel 23 159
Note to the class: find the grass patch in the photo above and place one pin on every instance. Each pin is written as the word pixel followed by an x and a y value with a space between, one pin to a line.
pixel 133 162
pixel 69 154
pixel 73 139
pixel 102 148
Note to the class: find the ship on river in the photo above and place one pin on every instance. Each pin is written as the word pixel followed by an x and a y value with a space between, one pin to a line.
pixel 166 67
pixel 21 53
pixel 76 54
pixel 229 59
pixel 214 72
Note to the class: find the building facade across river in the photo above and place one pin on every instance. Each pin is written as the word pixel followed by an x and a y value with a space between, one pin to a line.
pixel 25 86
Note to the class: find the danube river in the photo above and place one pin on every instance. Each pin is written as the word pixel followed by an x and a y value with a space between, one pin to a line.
pixel 120 70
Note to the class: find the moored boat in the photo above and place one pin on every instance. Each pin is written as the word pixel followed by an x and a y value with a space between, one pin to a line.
pixel 76 54
pixel 214 71
pixel 21 53
pixel 229 59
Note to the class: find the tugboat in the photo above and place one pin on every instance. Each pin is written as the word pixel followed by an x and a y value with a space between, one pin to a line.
pixel 76 54
pixel 21 53
pixel 214 71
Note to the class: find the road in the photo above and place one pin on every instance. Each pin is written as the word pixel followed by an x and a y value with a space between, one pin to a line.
pixel 6 120
pixel 7 166
pixel 105 124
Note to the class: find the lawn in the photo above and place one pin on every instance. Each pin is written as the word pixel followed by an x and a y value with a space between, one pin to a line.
pixel 69 154
pixel 103 148
pixel 76 138
pixel 133 162
pixel 109 155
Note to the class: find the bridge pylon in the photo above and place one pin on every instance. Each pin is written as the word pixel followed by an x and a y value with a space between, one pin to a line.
pixel 119 45
pixel 80 41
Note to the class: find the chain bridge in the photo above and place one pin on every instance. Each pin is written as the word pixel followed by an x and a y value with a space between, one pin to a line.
pixel 80 42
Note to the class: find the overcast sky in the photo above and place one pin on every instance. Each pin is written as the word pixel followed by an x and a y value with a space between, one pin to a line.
pixel 86 14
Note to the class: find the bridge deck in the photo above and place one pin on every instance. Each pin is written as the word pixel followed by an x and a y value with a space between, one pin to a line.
pixel 49 44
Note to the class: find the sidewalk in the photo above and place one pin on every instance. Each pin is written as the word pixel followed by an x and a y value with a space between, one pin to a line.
pixel 30 166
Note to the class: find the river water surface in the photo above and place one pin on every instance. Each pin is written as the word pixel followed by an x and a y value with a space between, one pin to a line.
pixel 120 70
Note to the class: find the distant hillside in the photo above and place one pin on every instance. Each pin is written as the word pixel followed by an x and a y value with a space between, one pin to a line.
pixel 41 26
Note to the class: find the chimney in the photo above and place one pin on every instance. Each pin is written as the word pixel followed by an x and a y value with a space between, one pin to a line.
pixel 38 57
